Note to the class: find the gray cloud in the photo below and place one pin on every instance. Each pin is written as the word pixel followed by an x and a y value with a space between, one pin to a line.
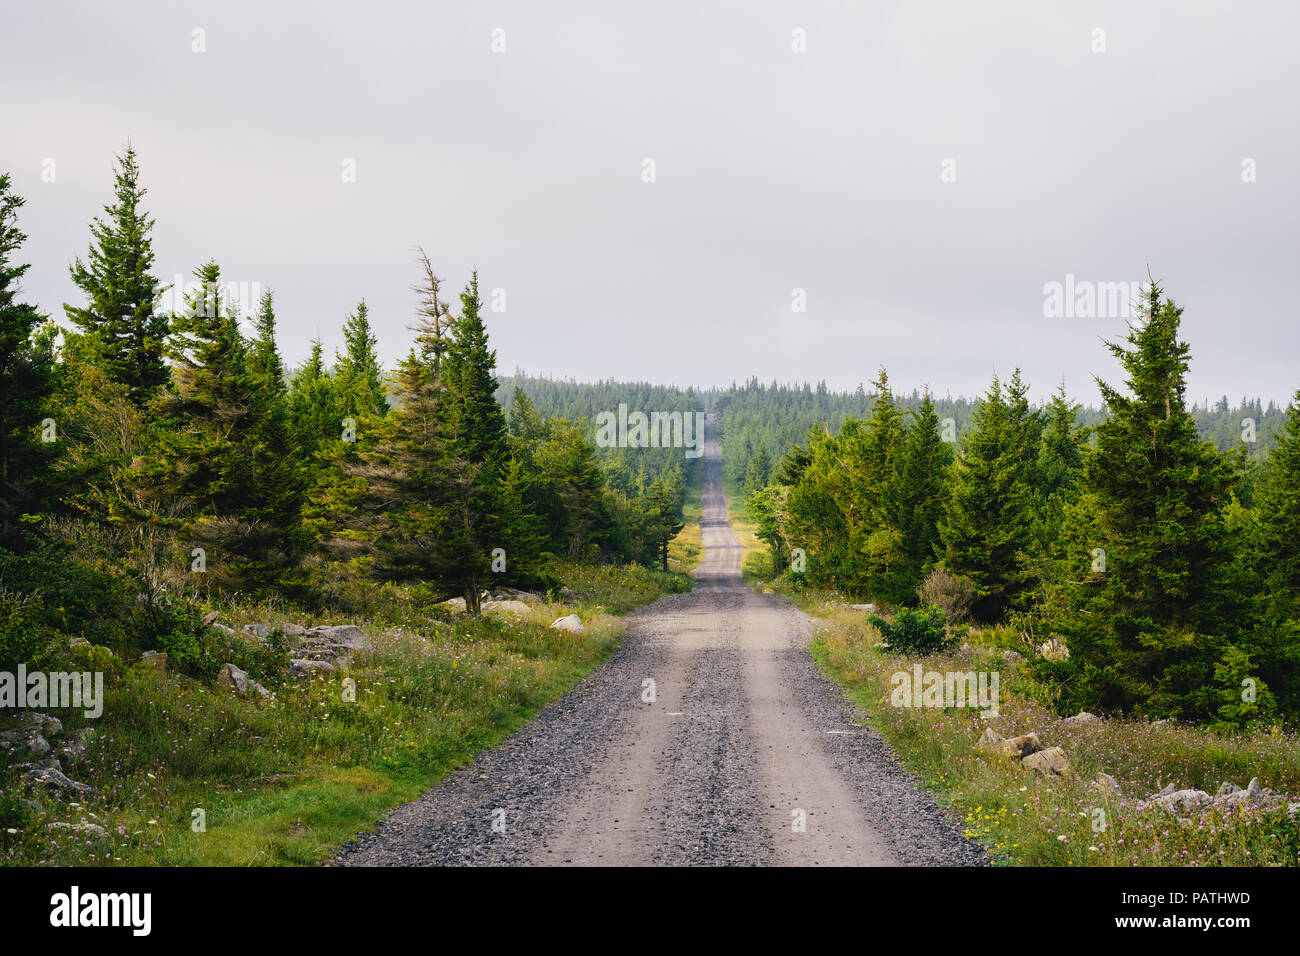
pixel 775 170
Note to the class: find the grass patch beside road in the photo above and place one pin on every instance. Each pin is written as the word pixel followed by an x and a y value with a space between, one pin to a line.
pixel 285 781
pixel 1029 819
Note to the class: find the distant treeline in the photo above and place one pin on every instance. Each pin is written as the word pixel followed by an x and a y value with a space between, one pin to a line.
pixel 775 417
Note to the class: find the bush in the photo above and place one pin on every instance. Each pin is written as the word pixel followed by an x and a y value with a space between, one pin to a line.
pixel 948 592
pixel 198 651
pixel 922 632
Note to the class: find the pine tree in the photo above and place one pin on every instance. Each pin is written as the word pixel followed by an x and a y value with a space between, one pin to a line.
pixel 920 492
pixel 476 423
pixel 316 409
pixel 359 376
pixel 986 523
pixel 1148 604
pixel 1277 559
pixel 27 371
pixel 121 325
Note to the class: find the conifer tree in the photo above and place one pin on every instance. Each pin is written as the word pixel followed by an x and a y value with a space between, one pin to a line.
pixel 122 329
pixel 1277 562
pixel 27 373
pixel 919 496
pixel 1148 605
pixel 359 376
pixel 986 523
pixel 477 425
pixel 315 407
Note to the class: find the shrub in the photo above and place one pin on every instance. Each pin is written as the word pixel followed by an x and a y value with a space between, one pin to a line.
pixel 948 592
pixel 922 631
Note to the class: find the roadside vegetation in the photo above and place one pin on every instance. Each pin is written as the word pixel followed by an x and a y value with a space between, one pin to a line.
pixel 181 772
pixel 1026 817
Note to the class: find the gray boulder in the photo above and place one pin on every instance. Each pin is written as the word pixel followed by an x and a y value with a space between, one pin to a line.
pixel 1079 719
pixel 1185 801
pixel 301 668
pixel 570 622
pixel 54 778
pixel 91 830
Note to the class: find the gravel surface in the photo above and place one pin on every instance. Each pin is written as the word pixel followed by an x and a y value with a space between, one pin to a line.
pixel 747 755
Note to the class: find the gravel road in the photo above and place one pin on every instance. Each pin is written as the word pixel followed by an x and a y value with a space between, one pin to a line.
pixel 742 740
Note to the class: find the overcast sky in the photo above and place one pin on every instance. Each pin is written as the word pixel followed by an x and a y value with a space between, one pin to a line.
pixel 774 170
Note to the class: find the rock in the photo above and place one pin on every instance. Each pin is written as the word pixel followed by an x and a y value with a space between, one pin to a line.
pixel 232 677
pixel 53 777
pixel 209 618
pixel 24 743
pixel 570 622
pixel 1109 784
pixel 348 635
pixel 990 741
pixel 513 594
pixel 1012 657
pixel 1253 787
pixel 570 595
pixel 868 608
pixel 154 660
pixel 1166 791
pixel 258 689
pixel 93 830
pixel 1017 748
pixel 1079 719
pixel 77 641
pixel 36 722
pixel 300 668
pixel 505 607
pixel 1185 801
pixel 1050 761
pixel 1292 809
pixel 1226 788
pixel 1054 649
pixel 222 628
pixel 456 605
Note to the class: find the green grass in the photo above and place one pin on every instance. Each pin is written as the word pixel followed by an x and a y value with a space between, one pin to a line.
pixel 1028 819
pixel 286 781
pixel 685 550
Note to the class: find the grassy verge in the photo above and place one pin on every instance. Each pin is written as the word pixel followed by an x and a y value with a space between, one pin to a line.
pixel 1029 819
pixel 288 779
pixel 756 563
pixel 685 549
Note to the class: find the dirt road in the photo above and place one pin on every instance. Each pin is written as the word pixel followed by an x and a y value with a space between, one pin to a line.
pixel 710 737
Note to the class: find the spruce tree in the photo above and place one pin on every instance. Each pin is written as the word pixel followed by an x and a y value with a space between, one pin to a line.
pixel 315 407
pixel 1277 561
pixel 27 373
pixel 1148 607
pixel 919 496
pixel 123 329
pixel 986 523
pixel 360 378
pixel 477 424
